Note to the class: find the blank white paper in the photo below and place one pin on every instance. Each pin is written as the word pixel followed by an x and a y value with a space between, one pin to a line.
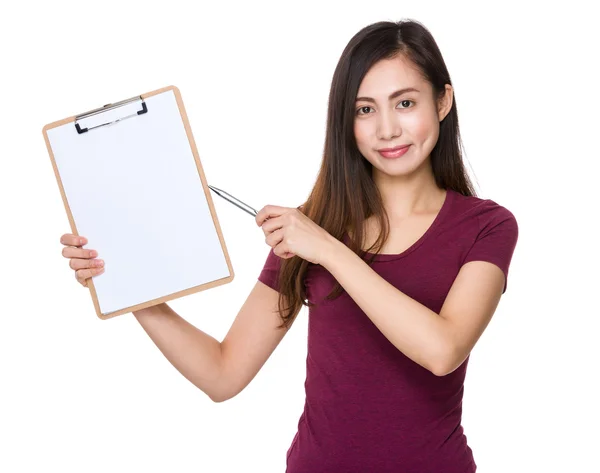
pixel 135 192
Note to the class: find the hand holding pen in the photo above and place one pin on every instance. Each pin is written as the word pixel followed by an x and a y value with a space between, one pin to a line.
pixel 289 232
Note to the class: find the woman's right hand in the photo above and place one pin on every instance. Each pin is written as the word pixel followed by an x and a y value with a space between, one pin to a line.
pixel 81 260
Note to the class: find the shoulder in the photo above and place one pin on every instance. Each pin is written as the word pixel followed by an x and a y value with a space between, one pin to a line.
pixel 489 232
pixel 482 212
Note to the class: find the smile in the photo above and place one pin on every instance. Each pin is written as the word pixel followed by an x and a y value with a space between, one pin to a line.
pixel 394 153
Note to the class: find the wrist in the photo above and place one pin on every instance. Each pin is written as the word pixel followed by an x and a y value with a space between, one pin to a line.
pixel 331 252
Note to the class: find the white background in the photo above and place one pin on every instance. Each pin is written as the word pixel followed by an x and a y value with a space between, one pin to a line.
pixel 80 394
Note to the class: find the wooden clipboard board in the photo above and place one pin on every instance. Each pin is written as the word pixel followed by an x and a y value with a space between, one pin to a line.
pixel 111 145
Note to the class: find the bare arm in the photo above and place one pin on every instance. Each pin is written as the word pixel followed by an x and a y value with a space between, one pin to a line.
pixel 220 369
pixel 194 353
pixel 251 339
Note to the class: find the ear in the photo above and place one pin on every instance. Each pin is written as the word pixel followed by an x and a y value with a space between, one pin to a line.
pixel 445 102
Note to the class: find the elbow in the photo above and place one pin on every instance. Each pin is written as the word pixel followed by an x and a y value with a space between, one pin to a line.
pixel 441 371
pixel 215 395
pixel 218 396
pixel 222 396
pixel 446 362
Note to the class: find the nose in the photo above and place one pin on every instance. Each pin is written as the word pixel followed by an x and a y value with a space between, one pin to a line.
pixel 388 126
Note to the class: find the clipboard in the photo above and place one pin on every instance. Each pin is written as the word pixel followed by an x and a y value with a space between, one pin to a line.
pixel 132 183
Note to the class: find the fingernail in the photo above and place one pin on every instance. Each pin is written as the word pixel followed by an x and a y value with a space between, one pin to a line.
pixel 93 254
pixel 82 241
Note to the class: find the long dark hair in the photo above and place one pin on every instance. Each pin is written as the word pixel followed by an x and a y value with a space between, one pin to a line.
pixel 344 194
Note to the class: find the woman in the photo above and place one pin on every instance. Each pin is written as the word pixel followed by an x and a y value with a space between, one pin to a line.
pixel 401 265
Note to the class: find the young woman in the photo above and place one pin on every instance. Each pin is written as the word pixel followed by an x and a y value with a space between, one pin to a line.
pixel 400 264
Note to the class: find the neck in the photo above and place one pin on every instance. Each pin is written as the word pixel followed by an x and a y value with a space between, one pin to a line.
pixel 406 196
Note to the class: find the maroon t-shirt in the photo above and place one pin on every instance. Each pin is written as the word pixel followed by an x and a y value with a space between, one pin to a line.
pixel 370 408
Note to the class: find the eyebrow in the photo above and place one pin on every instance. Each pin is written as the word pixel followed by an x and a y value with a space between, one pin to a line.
pixel 392 96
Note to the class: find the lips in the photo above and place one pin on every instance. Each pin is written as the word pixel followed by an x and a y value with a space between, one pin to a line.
pixel 393 149
pixel 393 152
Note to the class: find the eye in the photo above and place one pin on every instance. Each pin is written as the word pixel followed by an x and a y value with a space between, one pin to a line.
pixel 404 101
pixel 361 108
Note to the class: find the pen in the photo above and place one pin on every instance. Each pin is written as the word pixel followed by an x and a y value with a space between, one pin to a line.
pixel 234 201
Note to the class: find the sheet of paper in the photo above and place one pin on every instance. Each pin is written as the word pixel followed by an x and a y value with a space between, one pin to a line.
pixel 135 192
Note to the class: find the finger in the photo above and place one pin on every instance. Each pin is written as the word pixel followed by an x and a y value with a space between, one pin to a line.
pixel 73 240
pixel 76 263
pixel 70 252
pixel 83 282
pixel 275 238
pixel 282 251
pixel 82 275
pixel 269 211
pixel 271 225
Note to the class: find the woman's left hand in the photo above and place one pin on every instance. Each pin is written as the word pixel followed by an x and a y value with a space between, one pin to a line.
pixel 291 233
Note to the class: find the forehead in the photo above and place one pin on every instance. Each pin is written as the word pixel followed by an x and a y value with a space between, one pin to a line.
pixel 388 75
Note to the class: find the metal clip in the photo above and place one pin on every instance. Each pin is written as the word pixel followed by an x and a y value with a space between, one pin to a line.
pixel 106 108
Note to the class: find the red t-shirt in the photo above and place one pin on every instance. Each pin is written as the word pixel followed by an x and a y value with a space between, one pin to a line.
pixel 369 408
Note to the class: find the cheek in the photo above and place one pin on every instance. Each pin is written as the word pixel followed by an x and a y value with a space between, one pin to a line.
pixel 421 127
pixel 362 135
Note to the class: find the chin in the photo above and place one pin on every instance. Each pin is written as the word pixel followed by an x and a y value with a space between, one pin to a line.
pixel 397 167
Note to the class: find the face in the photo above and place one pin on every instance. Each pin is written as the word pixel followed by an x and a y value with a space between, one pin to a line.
pixel 385 118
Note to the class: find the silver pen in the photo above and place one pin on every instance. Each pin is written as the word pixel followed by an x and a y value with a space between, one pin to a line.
pixel 234 201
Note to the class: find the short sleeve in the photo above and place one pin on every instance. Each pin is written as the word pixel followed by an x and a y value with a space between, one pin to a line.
pixel 496 241
pixel 270 272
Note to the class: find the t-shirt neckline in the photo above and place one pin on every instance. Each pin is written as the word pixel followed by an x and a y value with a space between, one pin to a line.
pixel 436 223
